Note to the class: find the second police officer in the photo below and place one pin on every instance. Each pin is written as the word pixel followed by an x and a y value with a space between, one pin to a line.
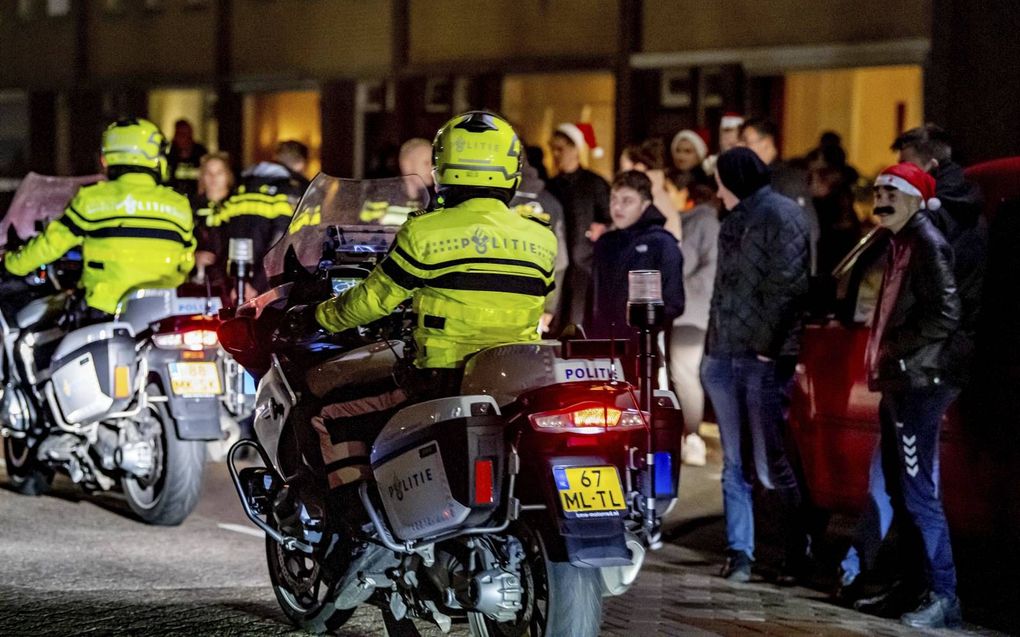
pixel 134 232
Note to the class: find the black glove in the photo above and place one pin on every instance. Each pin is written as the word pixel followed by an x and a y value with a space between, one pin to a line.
pixel 299 322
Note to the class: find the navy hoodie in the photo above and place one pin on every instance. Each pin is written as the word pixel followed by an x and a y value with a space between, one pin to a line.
pixel 646 245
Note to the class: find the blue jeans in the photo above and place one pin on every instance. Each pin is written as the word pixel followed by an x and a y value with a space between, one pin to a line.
pixel 904 480
pixel 749 397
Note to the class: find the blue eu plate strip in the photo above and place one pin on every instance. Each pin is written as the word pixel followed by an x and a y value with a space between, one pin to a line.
pixel 560 475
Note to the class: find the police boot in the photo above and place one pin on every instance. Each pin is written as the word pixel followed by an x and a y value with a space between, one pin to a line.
pixel 300 509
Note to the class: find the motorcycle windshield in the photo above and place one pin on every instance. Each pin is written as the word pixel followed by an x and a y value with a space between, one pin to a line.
pixel 38 200
pixel 356 215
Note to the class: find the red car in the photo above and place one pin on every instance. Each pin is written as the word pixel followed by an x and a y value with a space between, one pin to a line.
pixel 834 418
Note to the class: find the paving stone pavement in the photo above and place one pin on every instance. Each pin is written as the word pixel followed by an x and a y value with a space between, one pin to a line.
pixel 679 593
pixel 73 565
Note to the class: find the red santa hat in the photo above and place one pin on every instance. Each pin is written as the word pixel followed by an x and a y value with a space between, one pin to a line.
pixel 583 136
pixel 910 180
pixel 698 139
pixel 730 121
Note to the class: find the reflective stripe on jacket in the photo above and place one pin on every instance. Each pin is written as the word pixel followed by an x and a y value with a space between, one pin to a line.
pixel 260 210
pixel 478 275
pixel 134 233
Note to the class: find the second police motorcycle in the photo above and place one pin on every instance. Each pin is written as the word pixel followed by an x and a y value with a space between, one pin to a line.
pixel 126 404
pixel 514 506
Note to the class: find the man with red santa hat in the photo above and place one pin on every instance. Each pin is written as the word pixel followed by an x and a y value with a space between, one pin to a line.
pixel 918 312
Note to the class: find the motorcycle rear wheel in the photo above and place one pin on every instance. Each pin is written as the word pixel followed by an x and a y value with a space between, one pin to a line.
pixel 23 472
pixel 171 493
pixel 559 598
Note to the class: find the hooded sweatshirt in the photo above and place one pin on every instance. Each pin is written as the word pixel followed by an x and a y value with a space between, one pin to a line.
pixel 646 245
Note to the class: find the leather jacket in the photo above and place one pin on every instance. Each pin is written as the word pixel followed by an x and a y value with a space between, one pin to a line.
pixel 918 312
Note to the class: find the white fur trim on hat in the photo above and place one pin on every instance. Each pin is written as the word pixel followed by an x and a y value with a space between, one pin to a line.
pixel 730 121
pixel 908 188
pixel 574 133
pixel 898 183
pixel 700 147
pixel 577 136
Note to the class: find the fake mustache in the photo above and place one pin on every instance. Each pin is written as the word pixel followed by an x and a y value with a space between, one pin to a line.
pixel 885 211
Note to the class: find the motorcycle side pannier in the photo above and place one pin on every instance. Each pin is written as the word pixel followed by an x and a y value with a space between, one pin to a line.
pixel 93 371
pixel 440 466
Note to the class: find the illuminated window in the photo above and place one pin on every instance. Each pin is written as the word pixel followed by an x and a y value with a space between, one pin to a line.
pixel 274 117
pixel 57 8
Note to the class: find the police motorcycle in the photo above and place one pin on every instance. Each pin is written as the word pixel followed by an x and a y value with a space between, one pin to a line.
pixel 514 506
pixel 126 404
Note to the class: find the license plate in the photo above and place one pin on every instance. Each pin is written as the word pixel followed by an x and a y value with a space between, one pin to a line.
pixel 589 492
pixel 195 379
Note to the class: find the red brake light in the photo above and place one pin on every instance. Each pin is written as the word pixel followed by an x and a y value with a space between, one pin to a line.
pixel 483 482
pixel 588 418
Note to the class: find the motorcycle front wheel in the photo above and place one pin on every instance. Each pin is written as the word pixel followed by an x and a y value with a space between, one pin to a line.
pixel 559 598
pixel 304 590
pixel 169 494
pixel 23 472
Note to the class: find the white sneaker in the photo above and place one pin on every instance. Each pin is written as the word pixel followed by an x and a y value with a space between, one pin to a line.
pixel 693 451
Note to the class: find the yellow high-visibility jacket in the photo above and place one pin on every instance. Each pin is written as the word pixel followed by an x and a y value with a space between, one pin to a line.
pixel 478 274
pixel 133 232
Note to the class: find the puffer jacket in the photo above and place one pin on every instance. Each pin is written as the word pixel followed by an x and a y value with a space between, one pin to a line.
pixel 761 281
pixel 646 245
pixel 918 312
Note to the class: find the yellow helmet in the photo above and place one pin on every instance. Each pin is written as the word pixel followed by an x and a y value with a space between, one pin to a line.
pixel 477 149
pixel 135 142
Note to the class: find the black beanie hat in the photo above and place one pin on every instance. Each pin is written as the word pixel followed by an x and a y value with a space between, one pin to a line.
pixel 742 172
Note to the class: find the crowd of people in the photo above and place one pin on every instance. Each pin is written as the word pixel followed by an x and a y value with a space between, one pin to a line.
pixel 746 243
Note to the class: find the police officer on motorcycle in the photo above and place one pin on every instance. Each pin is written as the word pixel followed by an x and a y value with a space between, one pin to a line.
pixel 134 232
pixel 477 274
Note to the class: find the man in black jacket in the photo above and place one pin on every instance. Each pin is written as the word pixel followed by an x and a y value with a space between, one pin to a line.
pixel 960 221
pixel 638 241
pixel 585 199
pixel 753 339
pixel 908 359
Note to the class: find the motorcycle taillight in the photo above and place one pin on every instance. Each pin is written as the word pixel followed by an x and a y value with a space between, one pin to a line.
pixel 192 333
pixel 588 418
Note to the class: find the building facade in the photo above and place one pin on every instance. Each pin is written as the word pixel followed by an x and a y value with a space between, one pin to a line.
pixel 354 78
